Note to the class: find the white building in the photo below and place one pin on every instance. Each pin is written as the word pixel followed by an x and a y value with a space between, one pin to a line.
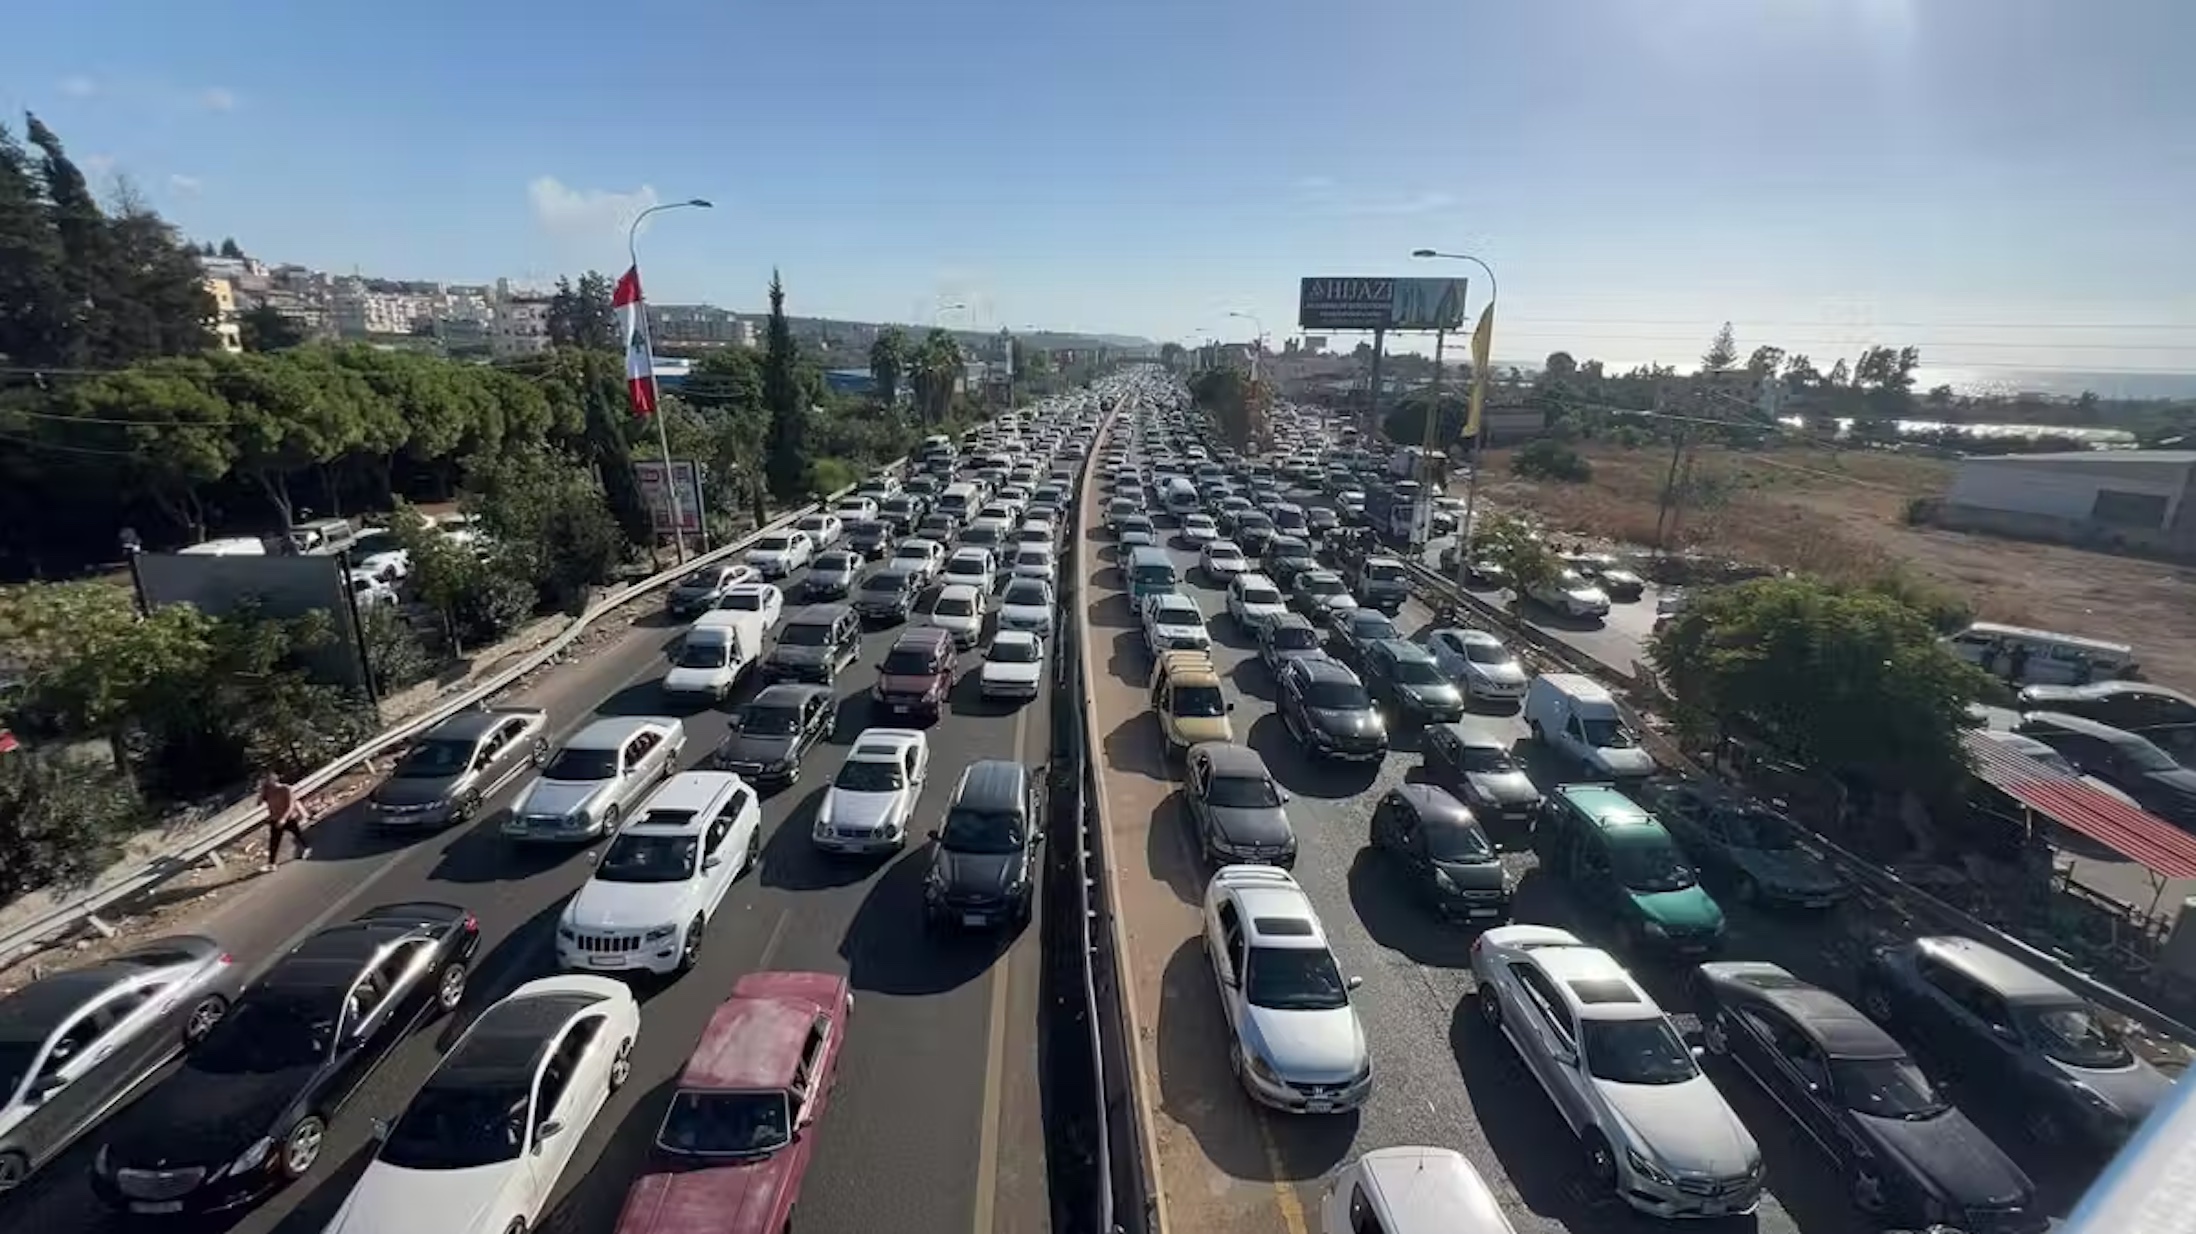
pixel 519 321
pixel 2132 499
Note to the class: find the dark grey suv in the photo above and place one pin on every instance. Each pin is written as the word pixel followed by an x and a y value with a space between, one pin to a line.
pixel 983 862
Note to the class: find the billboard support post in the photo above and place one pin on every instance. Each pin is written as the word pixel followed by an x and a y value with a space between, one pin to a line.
pixel 1427 470
pixel 1380 344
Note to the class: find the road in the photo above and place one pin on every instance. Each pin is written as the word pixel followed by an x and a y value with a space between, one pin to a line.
pixel 936 1123
pixel 1440 1077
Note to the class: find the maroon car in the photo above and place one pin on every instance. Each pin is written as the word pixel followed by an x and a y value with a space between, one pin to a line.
pixel 736 1141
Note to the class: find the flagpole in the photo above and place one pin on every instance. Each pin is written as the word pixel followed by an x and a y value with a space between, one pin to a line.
pixel 655 401
pixel 1482 360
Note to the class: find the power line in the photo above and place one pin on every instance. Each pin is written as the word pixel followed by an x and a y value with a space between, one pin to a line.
pixel 32 443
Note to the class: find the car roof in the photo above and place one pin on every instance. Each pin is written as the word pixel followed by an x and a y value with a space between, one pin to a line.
pixel 751 587
pixel 683 801
pixel 1174 599
pixel 992 783
pixel 1474 638
pixel 504 1047
pixel 1432 803
pixel 883 744
pixel 1290 621
pixel 1321 669
pixel 922 637
pixel 468 725
pixel 2014 980
pixel 1014 637
pixel 1833 1023
pixel 611 732
pixel 2081 724
pixel 1605 807
pixel 1277 915
pixel 1231 760
pixel 972 550
pixel 1427 1189
pixel 1589 979
pixel 787 692
pixel 1405 649
pixel 921 544
pixel 818 614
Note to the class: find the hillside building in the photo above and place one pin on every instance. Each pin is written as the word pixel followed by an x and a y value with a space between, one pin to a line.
pixel 2112 499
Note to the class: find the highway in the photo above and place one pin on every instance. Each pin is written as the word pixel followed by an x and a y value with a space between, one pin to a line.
pixel 936 1121
pixel 1440 1076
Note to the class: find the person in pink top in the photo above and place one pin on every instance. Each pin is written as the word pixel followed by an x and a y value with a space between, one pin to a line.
pixel 285 815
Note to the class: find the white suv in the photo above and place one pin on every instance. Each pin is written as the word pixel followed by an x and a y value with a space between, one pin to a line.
pixel 663 876
pixel 1297 1044
pixel 1173 622
pixel 1254 601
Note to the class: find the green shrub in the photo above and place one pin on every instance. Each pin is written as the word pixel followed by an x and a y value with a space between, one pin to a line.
pixel 62 819
pixel 1550 459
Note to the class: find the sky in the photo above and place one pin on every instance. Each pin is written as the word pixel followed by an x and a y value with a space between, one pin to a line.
pixel 2007 184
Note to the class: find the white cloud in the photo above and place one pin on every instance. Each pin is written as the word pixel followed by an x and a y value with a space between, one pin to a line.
pixel 188 186
pixel 79 87
pixel 567 211
pixel 215 98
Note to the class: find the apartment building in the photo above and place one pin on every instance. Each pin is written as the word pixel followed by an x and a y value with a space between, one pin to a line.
pixel 518 322
pixel 224 323
pixel 699 325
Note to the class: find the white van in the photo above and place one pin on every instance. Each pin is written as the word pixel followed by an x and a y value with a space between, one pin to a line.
pixel 1578 717
pixel 1409 1190
pixel 961 500
pixel 718 650
pixel 2052 659
pixel 233 546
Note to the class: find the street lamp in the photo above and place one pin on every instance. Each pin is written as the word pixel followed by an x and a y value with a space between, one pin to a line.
pixel 663 434
pixel 1464 535
pixel 1258 344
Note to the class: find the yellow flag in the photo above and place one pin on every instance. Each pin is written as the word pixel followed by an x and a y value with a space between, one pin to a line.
pixel 1482 348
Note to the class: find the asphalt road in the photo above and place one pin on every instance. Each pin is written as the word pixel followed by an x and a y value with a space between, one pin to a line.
pixel 936 1124
pixel 1440 1077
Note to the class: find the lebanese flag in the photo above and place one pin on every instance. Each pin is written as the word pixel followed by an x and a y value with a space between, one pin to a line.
pixel 640 379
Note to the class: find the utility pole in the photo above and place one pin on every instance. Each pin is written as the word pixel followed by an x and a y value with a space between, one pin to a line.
pixel 1422 517
pixel 1372 426
pixel 1669 479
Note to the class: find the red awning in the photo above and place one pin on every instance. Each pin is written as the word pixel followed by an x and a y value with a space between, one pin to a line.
pixel 2078 805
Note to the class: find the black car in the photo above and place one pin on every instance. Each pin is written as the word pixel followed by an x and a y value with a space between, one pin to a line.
pixel 1254 530
pixel 1409 680
pixel 1286 557
pixel 983 862
pixel 1440 848
pixel 901 513
pixel 1320 520
pixel 815 644
pixel 1908 1157
pixel 1482 772
pixel 2127 761
pixel 2130 705
pixel 1327 709
pixel 888 595
pixel 1239 812
pixel 1356 631
pixel 938 525
pixel 248 1110
pixel 773 731
pixel 870 537
pixel 1290 636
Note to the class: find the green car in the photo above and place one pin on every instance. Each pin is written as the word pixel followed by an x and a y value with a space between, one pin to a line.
pixel 1622 865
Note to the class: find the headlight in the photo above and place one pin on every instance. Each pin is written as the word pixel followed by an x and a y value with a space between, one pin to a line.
pixel 1647 1169
pixel 1653 929
pixel 659 934
pixel 251 1158
pixel 1443 882
pixel 1260 1067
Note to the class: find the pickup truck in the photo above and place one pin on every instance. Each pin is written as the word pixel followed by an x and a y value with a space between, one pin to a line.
pixel 719 649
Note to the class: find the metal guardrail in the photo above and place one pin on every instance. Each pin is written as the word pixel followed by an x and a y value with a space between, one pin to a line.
pixel 238 821
pixel 1868 874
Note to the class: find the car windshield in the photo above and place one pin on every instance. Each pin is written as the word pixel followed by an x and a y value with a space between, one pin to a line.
pixel 266 1034
pixel 1607 735
pixel 702 1123
pixel 1199 701
pixel 1763 829
pixel 1487 759
pixel 768 719
pixel 773 544
pixel 954 606
pixel 867 531
pixel 870 775
pixel 966 567
pixel 1012 651
pixel 2143 755
pixel 1457 841
pixel 882 583
pixel 805 634
pixel 1885 1088
pixel 580 763
pixel 834 563
pixel 702 578
pixel 1337 696
pixel 907 662
pixel 1383 572
pixel 2074 1034
pixel 1322 585
pixel 451 1128
pixel 1033 594
pixel 704 655
pixel 639 857
pixel 1179 616
pixel 1033 557
pixel 1295 638
pixel 434 760
pixel 1636 1052
pixel 1227 553
pixel 744 601
pixel 1417 673
pixel 1488 653
pixel 1261 596
pixel 982 831
pixel 1294 979
pixel 1372 628
pixel 1149 576
pixel 980 536
pixel 1652 866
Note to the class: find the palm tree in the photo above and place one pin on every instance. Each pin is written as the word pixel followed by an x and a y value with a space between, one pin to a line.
pixel 888 363
pixel 938 368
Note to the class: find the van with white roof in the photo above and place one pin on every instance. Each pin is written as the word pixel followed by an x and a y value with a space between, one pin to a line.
pixel 1576 716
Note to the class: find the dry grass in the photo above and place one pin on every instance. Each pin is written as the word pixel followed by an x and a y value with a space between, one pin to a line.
pixel 1841 514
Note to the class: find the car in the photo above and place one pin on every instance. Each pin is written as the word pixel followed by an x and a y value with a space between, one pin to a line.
pixel 763 598
pixel 1133 530
pixel 386 565
pixel 1286 557
pixel 1239 811
pixel 976 567
pixel 1254 601
pixel 740 1127
pixel 2129 762
pixel 370 592
pixel 447 774
pixel 887 595
pixel 985 533
pixel 2134 706
pixel 1404 676
pixel 832 575
pixel 1120 508
pixel 1908 1157
pixel 662 877
pixel 1320 594
pixel 822 530
pixel 1482 771
pixel 870 804
pixel 1621 865
pixel 1750 849
pixel 1329 713
pixel 1295 1042
pixel 777 554
pixel 1571 594
pixel 1444 854
pixel 983 861
pixel 917 673
pixel 1411 1190
pixel 1173 622
pixel 1655 1130
pixel 960 611
pixel 816 643
pixel 481 1145
pixel 1222 561
pixel 772 732
pixel 1199 530
pixel 1319 520
pixel 248 1111
pixel 603 770
pixel 2013 1031
pixel 1356 631
pixel 856 509
pixel 75 1044
pixel 1287 637
pixel 902 511
pixel 1027 605
pixel 868 537
pixel 1036 532
pixel 1014 666
pixel 1035 561
pixel 1620 584
pixel 699 591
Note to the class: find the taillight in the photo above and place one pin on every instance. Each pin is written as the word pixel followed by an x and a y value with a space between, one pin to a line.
pixel 225 958
pixel 472 924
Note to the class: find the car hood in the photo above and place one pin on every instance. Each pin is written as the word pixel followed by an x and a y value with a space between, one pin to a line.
pixel 995 670
pixel 1690 908
pixel 758 556
pixel 727 1198
pixel 1684 1127
pixel 756 747
pixel 1624 760
pixel 1787 868
pixel 1507 673
pixel 1321 1047
pixel 601 905
pixel 845 809
pixel 1365 723
pixel 894 683
pixel 1442 695
pixel 2133 1091
pixel 1957 1160
pixel 830 578
pixel 1473 875
pixel 1251 825
pixel 986 874
pixel 415 790
pixel 195 1118
pixel 559 797
pixel 1584 595
pixel 1025 612
pixel 1503 787
pixel 691 595
pixel 389 1199
pixel 1195 729
pixel 695 678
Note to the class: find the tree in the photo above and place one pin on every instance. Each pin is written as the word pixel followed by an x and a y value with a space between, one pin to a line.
pixel 1845 680
pixel 90 665
pixel 1841 375
pixel 938 369
pixel 786 464
pixel 1559 368
pixel 1546 458
pixel 1940 397
pixel 33 326
pixel 1800 372
pixel 1238 406
pixel 230 249
pixel 174 431
pixel 1722 353
pixel 888 363
pixel 552 522
pixel 62 820
pixel 264 328
pixel 1172 356
pixel 1765 361
pixel 581 315
pixel 1510 542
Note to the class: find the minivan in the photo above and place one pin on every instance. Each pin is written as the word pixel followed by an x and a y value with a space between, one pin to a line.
pixel 1576 716
pixel 814 644
pixel 2046 658
pixel 1150 572
pixel 1622 864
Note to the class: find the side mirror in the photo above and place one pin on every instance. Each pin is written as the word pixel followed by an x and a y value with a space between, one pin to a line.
pixel 711 863
pixel 1354 982
pixel 45 1086
pixel 380 1129
pixel 548 1131
pixel 1700 1052
pixel 1231 706
pixel 933 833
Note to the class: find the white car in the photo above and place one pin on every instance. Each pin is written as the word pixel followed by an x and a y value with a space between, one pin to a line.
pixel 763 598
pixel 588 786
pixel 1222 560
pixel 822 530
pixel 1479 662
pixel 1411 1190
pixel 779 553
pixel 663 876
pixel 919 557
pixel 975 567
pixel 856 510
pixel 1295 1041
pixel 1656 1131
pixel 1035 533
pixel 1135 531
pixel 1173 622
pixel 371 592
pixel 1014 666
pixel 1255 601
pixel 390 565
pixel 481 1145
pixel 1027 604
pixel 959 611
pixel 870 806
pixel 1033 561
pixel 1571 594
pixel 1199 529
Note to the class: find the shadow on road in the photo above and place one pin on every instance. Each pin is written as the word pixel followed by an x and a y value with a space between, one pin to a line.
pixel 1128 659
pixel 1111 613
pixel 1398 918
pixel 1136 748
pixel 483 855
pixel 889 948
pixel 791 860
pixel 317 1207
pixel 1253 679
pixel 1300 773
pixel 625 1154
pixel 1172 852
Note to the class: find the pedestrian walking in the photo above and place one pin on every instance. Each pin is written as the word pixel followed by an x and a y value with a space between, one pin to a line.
pixel 2016 665
pixel 285 816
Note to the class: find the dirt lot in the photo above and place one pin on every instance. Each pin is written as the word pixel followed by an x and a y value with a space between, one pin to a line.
pixel 1841 514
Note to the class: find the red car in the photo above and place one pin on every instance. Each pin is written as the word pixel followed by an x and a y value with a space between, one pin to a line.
pixel 736 1141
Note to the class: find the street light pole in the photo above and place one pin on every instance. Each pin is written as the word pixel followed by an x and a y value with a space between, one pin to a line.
pixel 663 434
pixel 1258 344
pixel 1467 532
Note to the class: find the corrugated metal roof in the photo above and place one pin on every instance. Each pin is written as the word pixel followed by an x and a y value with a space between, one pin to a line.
pixel 2155 458
pixel 2125 829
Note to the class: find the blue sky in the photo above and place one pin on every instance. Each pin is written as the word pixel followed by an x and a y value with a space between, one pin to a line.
pixel 1972 176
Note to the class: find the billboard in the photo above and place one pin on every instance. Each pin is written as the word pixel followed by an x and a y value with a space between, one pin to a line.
pixel 1380 304
pixel 280 586
pixel 686 475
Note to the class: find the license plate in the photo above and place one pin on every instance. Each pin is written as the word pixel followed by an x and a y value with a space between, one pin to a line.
pixel 901 709
pixel 1815 903
pixel 973 919
pixel 605 961
pixel 160 1206
pixel 1486 912
pixel 1319 1106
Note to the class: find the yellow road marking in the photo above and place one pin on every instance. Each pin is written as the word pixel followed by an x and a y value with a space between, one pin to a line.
pixel 1284 1192
pixel 987 1143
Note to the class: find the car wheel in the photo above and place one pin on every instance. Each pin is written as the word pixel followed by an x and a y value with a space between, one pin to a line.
pixel 1714 1036
pixel 1864 1187
pixel 753 857
pixel 202 1019
pixel 14 1168
pixel 1876 1002
pixel 1601 1162
pixel 301 1148
pixel 450 987
pixel 690 949
pixel 1490 1007
pixel 540 753
pixel 468 806
pixel 621 1065
pixel 517 1226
